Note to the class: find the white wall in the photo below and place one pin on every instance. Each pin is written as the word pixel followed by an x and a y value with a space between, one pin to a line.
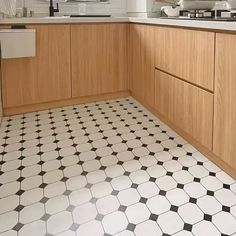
pixel 114 7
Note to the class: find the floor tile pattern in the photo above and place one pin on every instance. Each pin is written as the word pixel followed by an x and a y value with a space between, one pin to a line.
pixel 108 168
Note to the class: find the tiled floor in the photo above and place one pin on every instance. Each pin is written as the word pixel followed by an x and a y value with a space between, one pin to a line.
pixel 108 168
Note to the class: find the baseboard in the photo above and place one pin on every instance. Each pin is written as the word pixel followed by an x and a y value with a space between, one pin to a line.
pixel 208 153
pixel 62 103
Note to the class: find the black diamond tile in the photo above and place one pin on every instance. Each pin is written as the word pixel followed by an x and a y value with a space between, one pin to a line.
pixel 160 163
pixel 200 163
pixel 44 200
pixel 151 153
pixel 99 217
pixel 143 200
pixel 43 185
pixel 166 149
pixel 120 163
pixel 212 174
pixel 207 217
pixel 169 173
pixel 162 193
pixel 225 208
pixel 122 208
pixel 185 168
pixel 174 208
pixel 20 179
pixel 181 186
pixel 45 217
pixel 131 227
pixel 64 179
pixel 193 200
pixel 210 193
pixel 67 192
pixel 102 168
pixel 84 173
pixel 42 173
pixel 17 227
pixel 189 154
pixel 152 179
pixel 41 162
pixel 93 200
pixel 21 168
pixel 196 180
pixel 70 208
pixel 135 186
pixel 19 208
pixel 153 217
pixel 114 192
pixel 20 192
pixel 188 227
pixel 144 168
pixel 108 179
pixel 226 186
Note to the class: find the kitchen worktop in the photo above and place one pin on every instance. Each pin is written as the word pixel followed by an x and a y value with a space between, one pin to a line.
pixel 213 25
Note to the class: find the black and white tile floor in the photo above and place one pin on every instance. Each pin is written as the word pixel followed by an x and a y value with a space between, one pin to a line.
pixel 108 168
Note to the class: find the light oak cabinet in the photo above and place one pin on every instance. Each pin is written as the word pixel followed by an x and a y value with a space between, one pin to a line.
pixel 141 62
pixel 99 59
pixel 188 54
pixel 186 106
pixel 225 99
pixel 43 78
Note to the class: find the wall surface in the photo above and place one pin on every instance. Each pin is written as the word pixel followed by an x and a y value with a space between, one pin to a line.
pixel 114 7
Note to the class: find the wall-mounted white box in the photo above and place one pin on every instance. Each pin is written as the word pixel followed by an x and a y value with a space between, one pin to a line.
pixel 17 43
pixel 139 6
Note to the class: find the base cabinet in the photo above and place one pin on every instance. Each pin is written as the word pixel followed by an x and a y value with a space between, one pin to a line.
pixel 99 59
pixel 225 99
pixel 141 62
pixel 186 106
pixel 42 78
pixel 187 54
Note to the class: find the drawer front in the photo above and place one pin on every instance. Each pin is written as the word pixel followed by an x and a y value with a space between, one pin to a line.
pixel 187 54
pixel 186 106
pixel 225 99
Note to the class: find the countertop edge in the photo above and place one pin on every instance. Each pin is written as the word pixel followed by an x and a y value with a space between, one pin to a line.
pixel 210 25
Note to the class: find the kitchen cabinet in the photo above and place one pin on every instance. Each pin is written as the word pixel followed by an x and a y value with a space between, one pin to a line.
pixel 99 59
pixel 225 99
pixel 187 54
pixel 186 106
pixel 141 62
pixel 43 78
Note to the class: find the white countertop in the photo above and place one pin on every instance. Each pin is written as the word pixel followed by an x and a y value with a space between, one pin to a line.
pixel 213 25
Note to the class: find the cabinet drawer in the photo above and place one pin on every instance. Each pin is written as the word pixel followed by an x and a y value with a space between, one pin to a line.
pixel 187 54
pixel 186 106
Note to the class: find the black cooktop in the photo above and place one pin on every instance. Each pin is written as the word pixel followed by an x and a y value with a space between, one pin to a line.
pixel 203 18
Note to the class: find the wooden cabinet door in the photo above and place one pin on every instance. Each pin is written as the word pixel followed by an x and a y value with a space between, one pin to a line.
pixel 225 99
pixel 141 62
pixel 99 59
pixel 43 78
pixel 186 106
pixel 187 54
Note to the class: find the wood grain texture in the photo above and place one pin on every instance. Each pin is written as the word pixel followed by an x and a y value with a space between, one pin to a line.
pixel 99 58
pixel 188 107
pixel 43 78
pixel 188 54
pixel 225 99
pixel 205 151
pixel 141 61
pixel 62 103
